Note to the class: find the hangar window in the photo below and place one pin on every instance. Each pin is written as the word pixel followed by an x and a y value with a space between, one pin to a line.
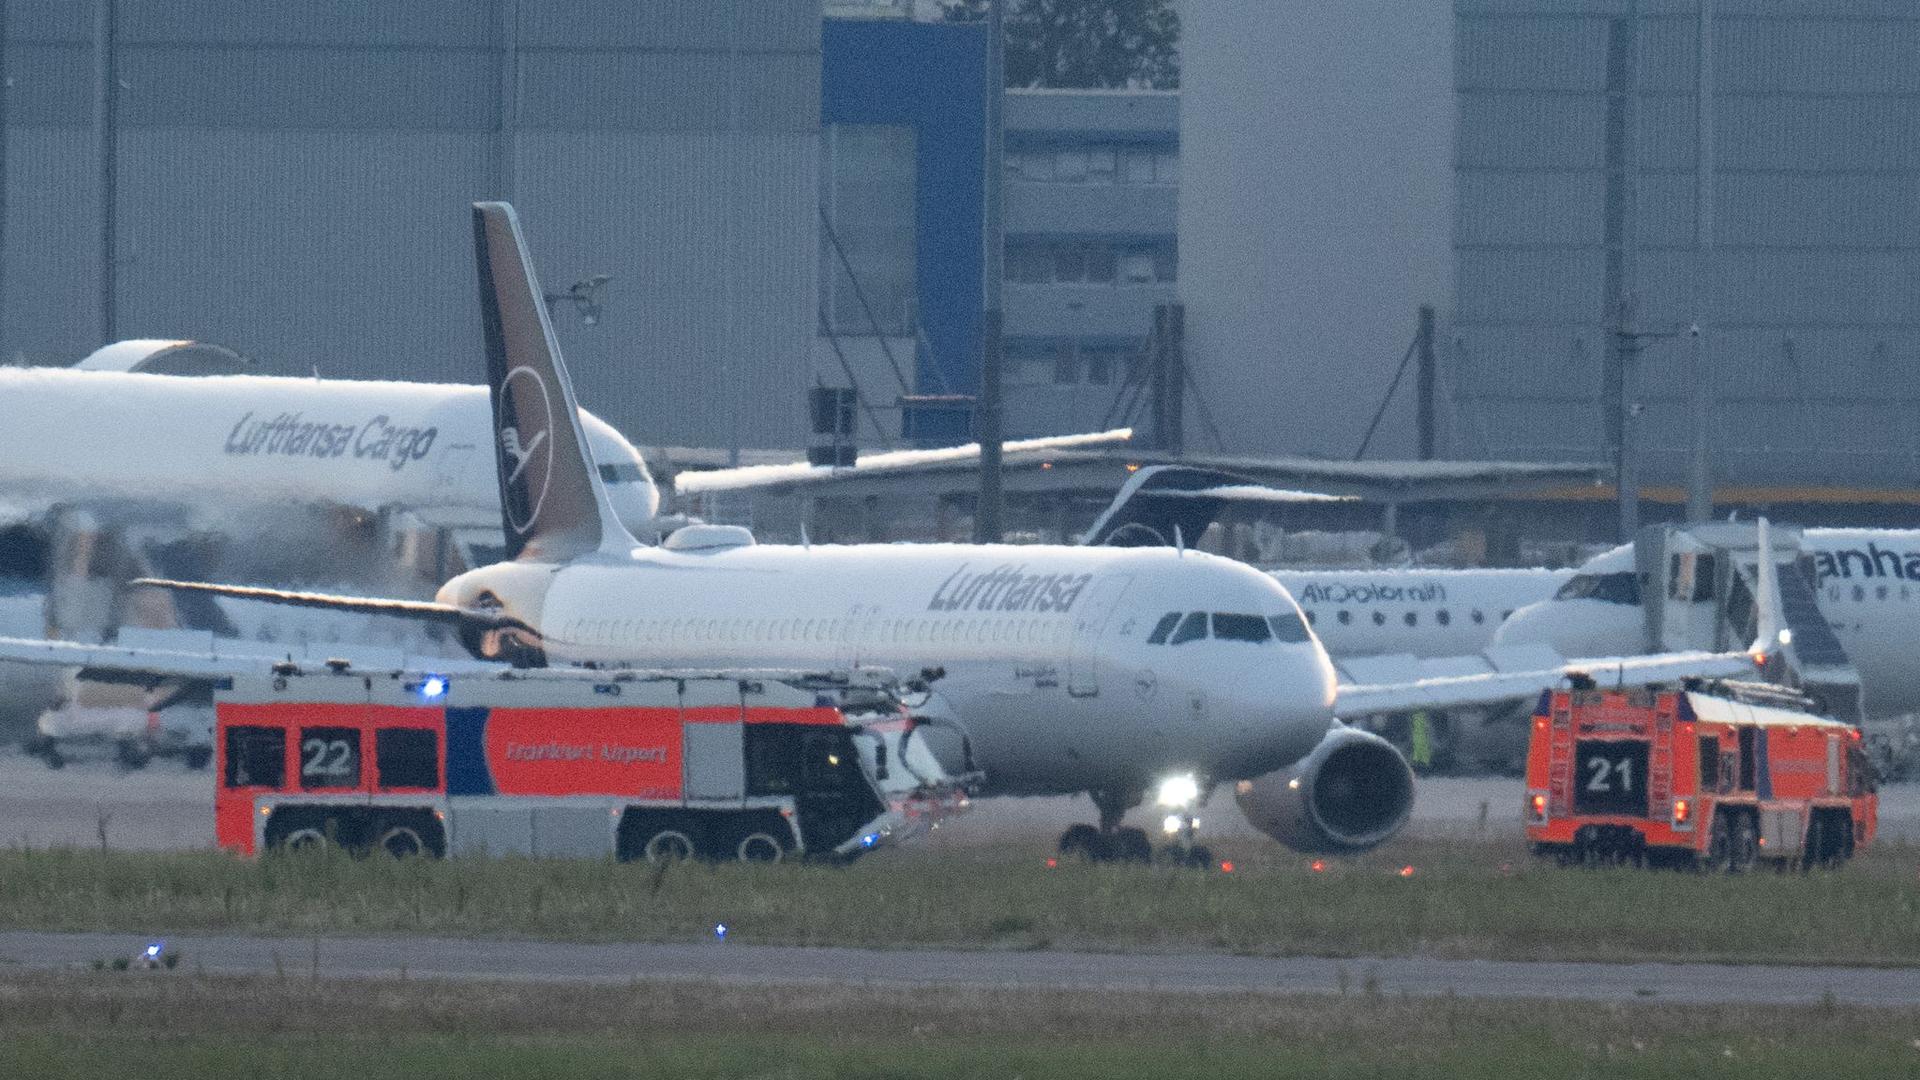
pixel 1311 619
pixel 1162 628
pixel 407 757
pixel 1249 628
pixel 1192 628
pixel 1345 616
pixel 1288 628
pixel 1442 617
pixel 256 757
pixel 1412 618
pixel 1478 617
pixel 1379 618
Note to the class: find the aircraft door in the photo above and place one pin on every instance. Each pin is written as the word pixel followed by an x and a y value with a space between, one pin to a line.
pixel 1083 650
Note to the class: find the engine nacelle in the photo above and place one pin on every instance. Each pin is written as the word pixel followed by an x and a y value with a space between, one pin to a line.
pixel 1353 792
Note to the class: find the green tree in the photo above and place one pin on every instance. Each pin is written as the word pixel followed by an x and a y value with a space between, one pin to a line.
pixel 1082 44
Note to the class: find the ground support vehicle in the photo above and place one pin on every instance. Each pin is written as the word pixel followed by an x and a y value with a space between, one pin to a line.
pixel 640 765
pixel 1722 776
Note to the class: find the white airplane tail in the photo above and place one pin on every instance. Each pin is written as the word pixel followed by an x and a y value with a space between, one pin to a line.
pixel 552 503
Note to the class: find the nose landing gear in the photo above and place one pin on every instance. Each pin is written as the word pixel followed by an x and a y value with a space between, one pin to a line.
pixel 1109 842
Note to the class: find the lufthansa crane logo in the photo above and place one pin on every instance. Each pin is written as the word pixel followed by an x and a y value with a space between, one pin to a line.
pixel 526 431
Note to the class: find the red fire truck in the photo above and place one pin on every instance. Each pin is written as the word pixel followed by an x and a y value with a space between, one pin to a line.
pixel 638 765
pixel 1721 776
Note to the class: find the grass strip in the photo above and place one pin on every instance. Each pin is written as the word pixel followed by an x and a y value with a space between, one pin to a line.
pixel 184 1024
pixel 1462 899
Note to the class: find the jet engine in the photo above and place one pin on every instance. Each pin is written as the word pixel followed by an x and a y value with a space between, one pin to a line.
pixel 1350 794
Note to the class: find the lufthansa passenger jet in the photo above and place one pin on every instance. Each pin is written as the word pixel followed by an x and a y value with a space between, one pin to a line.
pixel 1073 669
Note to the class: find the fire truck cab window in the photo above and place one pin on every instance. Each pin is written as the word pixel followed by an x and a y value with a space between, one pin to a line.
pixel 1746 758
pixel 329 757
pixel 1709 763
pixel 1192 628
pixel 407 757
pixel 256 757
pixel 1620 588
pixel 1162 628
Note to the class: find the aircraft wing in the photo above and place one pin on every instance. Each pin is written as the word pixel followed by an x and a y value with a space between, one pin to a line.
pixel 202 657
pixel 1498 685
pixel 411 609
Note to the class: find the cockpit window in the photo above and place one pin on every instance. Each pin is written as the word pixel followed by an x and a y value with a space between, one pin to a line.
pixel 1288 628
pixel 1192 628
pixel 1250 628
pixel 1162 628
pixel 1618 588
pixel 621 472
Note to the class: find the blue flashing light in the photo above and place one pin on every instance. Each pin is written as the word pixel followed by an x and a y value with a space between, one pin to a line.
pixel 433 687
pixel 720 931
pixel 870 839
pixel 153 950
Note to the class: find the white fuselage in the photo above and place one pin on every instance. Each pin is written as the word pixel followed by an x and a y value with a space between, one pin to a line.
pixel 1867 586
pixel 1046 652
pixel 257 440
pixel 1423 613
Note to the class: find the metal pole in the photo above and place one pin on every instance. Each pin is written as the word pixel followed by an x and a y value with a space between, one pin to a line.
pixel 987 409
pixel 1425 384
pixel 1627 343
pixel 507 118
pixel 1699 463
pixel 6 72
pixel 106 105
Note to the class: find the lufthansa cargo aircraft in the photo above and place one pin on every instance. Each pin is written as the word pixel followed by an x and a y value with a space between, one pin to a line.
pixel 1073 669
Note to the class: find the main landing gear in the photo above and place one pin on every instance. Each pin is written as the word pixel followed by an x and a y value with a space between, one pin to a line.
pixel 1110 842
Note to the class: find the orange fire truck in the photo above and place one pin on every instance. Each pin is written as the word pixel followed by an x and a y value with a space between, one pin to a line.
pixel 1718 775
pixel 637 765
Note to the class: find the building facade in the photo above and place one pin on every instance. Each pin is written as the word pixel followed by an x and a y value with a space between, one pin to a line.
pixel 1576 156
pixel 293 182
pixel 1091 202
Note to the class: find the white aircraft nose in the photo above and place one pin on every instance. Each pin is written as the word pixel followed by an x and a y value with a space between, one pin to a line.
pixel 1575 627
pixel 1276 714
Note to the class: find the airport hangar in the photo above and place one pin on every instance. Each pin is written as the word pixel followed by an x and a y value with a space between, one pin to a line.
pixel 657 143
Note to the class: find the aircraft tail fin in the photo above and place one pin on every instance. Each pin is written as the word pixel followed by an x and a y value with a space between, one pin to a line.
pixel 552 503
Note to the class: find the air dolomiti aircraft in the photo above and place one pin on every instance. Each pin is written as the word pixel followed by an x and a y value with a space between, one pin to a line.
pixel 1865 585
pixel 1093 669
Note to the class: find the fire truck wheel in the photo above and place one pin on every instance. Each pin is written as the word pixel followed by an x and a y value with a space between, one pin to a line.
pixel 305 838
pixel 199 757
pixel 668 845
pixel 761 848
pixel 1746 846
pixel 1719 846
pixel 131 755
pixel 402 842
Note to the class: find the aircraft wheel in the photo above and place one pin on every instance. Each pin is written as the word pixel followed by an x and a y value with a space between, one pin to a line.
pixel 1086 842
pixel 668 846
pixel 1132 846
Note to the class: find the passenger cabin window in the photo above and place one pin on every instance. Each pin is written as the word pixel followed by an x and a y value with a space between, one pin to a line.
pixel 1288 628
pixel 1162 628
pixel 407 757
pixel 329 757
pixel 1620 588
pixel 1192 628
pixel 1248 628
pixel 256 757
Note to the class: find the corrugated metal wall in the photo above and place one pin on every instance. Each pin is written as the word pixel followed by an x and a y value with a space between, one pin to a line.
pixel 1812 301
pixel 294 181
